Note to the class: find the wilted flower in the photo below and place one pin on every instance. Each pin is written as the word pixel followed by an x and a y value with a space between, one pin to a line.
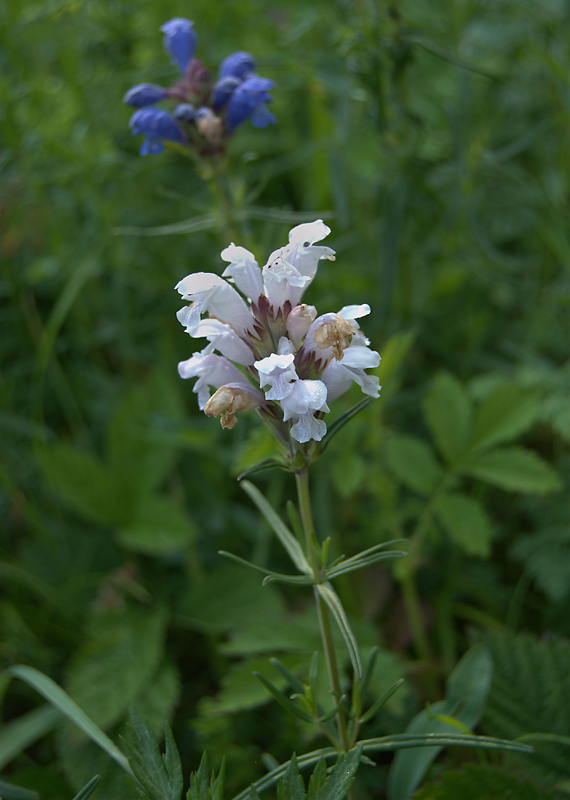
pixel 207 113
pixel 292 363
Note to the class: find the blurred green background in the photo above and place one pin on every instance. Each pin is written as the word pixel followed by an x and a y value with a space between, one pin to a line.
pixel 434 139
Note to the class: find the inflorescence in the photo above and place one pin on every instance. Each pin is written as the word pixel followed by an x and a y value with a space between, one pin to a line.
pixel 269 351
pixel 207 113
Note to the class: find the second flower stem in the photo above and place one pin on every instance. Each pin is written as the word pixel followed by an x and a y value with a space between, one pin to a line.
pixel 302 479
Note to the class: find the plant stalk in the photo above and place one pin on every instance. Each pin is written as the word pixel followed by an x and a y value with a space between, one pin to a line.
pixel 302 480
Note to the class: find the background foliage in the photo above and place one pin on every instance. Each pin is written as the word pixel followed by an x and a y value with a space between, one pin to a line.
pixel 435 140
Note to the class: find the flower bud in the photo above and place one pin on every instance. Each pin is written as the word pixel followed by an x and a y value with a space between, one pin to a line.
pixel 336 334
pixel 179 41
pixel 299 321
pixel 144 94
pixel 184 112
pixel 209 125
pixel 228 400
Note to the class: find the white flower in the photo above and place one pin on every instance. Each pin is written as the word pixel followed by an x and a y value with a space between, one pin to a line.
pixel 301 361
pixel 300 406
pixel 277 371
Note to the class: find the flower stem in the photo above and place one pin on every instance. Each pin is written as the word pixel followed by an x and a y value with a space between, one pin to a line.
pixel 222 193
pixel 302 479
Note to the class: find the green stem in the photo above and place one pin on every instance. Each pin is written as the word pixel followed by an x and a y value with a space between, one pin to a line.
pixel 221 192
pixel 302 479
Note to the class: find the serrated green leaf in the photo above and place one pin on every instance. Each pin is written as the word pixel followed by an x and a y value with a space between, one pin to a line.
pixel 291 785
pixel 448 413
pixel 413 463
pixel 85 484
pixel 465 697
pixel 60 700
pixel 118 660
pixel 333 602
pixel 136 445
pixel 466 522
pixel 482 782
pixel 317 781
pixel 546 557
pixel 16 736
pixel 88 789
pixel 514 469
pixel 341 778
pixel 503 415
pixel 160 775
pixel 530 693
pixel 282 532
pixel 158 527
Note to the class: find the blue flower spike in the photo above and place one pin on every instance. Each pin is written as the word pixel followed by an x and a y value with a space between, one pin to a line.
pixel 205 115
pixel 180 41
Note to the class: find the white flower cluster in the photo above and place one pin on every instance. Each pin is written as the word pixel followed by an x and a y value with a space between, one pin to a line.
pixel 300 361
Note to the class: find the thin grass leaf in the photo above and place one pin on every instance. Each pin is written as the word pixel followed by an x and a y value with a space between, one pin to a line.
pixel 88 789
pixel 332 713
pixel 279 528
pixel 18 735
pixel 333 602
pixel 352 565
pixel 373 710
pixel 283 701
pixel 277 215
pixel 429 47
pixel 402 741
pixel 60 700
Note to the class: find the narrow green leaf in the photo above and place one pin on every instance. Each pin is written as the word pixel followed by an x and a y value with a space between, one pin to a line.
pixel 283 701
pixel 291 785
pixel 447 409
pixel 282 532
pixel 88 789
pixel 10 792
pixel 202 222
pixel 373 710
pixel 268 463
pixel 413 463
pixel 339 423
pixel 58 698
pixel 515 469
pixel 293 681
pixel 304 580
pixel 18 735
pixel 465 698
pixel 333 602
pixel 466 521
pixel 402 741
pixel 353 565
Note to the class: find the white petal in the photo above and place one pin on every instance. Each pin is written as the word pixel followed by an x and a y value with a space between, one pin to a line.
pixel 211 370
pixel 307 428
pixel 213 294
pixel 244 270
pixel 355 312
pixel 225 340
pixel 306 396
pixel 198 282
pixel 277 371
pixel 360 357
pixel 285 347
pixel 308 232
